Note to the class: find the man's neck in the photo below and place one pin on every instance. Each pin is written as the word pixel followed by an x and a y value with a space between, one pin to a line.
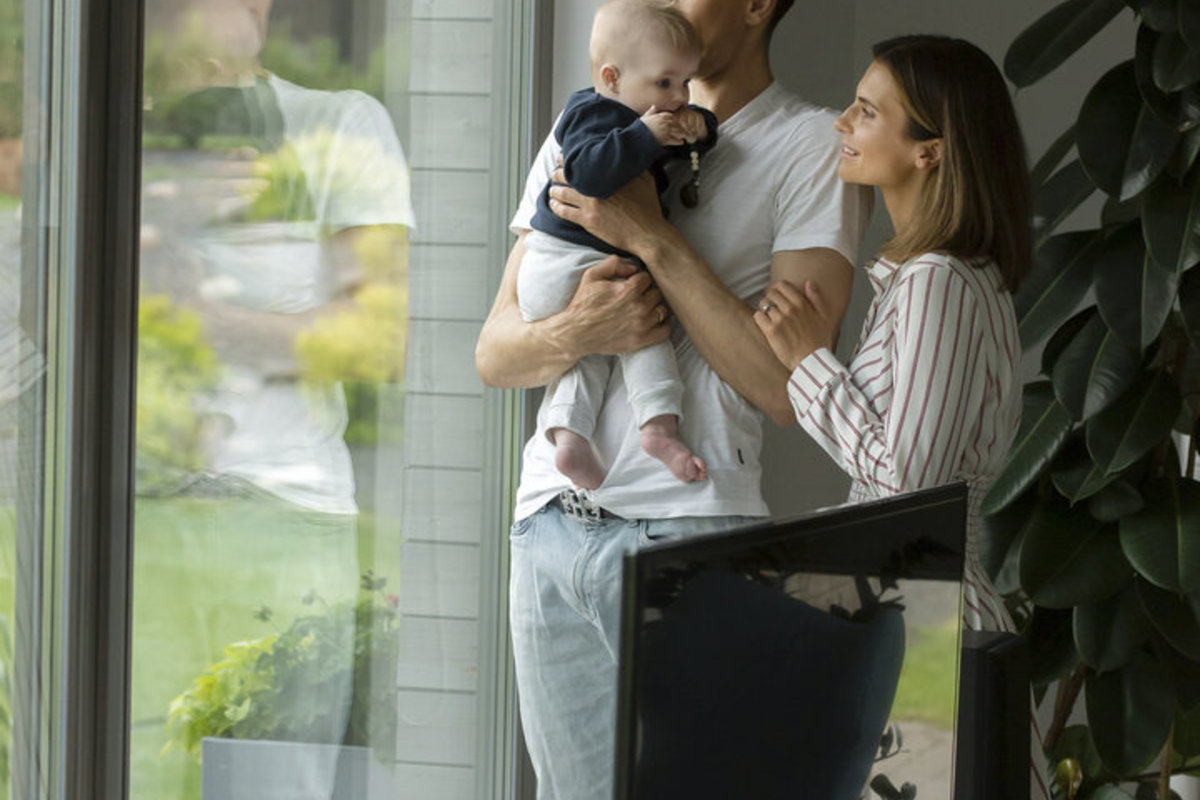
pixel 727 91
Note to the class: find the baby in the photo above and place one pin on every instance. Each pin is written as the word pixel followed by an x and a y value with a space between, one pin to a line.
pixel 635 116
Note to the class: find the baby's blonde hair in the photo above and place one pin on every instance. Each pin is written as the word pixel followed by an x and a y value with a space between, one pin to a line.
pixel 618 23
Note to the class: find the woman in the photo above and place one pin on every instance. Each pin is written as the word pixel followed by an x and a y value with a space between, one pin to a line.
pixel 932 394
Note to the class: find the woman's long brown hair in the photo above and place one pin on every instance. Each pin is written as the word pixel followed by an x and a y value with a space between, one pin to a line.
pixel 977 201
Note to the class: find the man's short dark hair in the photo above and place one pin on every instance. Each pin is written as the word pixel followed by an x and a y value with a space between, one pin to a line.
pixel 781 8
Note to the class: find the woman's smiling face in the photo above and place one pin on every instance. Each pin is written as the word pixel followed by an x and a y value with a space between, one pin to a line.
pixel 876 147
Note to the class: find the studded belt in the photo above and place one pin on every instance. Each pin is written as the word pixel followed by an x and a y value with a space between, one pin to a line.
pixel 581 507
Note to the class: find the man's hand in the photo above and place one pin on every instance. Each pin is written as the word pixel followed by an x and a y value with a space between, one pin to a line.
pixel 626 220
pixel 616 309
pixel 666 126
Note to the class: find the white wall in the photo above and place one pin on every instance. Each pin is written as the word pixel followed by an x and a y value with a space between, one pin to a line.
pixel 820 50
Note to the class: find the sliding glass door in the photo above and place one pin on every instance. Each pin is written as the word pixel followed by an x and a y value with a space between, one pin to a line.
pixel 252 494
pixel 318 525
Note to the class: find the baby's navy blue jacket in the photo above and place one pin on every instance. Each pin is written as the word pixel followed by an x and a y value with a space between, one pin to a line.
pixel 605 145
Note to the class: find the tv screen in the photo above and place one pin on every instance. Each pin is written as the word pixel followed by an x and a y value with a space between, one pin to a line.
pixel 809 659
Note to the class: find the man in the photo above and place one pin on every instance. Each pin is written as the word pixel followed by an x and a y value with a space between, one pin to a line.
pixel 771 207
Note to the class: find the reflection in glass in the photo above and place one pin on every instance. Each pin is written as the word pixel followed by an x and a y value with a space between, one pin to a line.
pixel 21 362
pixel 272 333
pixel 806 658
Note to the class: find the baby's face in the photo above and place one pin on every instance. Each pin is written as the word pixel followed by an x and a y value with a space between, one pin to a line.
pixel 656 77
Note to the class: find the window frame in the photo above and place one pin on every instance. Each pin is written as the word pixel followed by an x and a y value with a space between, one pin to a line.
pixel 74 607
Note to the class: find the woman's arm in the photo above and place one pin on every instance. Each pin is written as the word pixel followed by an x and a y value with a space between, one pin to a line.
pixel 719 323
pixel 607 315
pixel 937 365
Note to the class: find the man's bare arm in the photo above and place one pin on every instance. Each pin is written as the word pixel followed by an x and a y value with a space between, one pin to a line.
pixel 605 316
pixel 720 324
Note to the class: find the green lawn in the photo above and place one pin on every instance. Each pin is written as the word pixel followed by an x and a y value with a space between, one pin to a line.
pixel 927 680
pixel 201 569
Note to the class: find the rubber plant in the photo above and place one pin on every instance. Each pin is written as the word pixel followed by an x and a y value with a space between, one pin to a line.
pixel 1094 523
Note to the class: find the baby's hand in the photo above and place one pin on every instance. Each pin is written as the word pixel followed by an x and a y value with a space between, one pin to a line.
pixel 692 124
pixel 664 125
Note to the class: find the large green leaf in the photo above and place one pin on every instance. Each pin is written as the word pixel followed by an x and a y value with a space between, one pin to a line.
pixel 1174 616
pixel 1062 337
pixel 1051 645
pixel 1053 156
pixel 1081 479
pixel 1189 23
pixel 1067 558
pixel 1115 501
pixel 1076 742
pixel 1115 213
pixel 1057 281
pixel 1142 417
pixel 1051 40
pixel 1171 221
pixel 1134 294
pixel 1054 201
pixel 1176 66
pixel 1094 369
pixel 1123 145
pixel 1044 427
pixel 1163 539
pixel 1130 711
pixel 1180 110
pixel 1108 634
pixel 1162 15
pixel 1185 154
pixel 1000 542
pixel 1187 733
pixel 1189 306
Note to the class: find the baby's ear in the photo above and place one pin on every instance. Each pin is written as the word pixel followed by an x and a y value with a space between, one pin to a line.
pixel 610 76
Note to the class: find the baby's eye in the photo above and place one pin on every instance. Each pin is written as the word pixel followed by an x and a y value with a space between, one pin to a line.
pixel 664 83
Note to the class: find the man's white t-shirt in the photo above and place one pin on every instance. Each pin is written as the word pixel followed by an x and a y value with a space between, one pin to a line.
pixel 769 185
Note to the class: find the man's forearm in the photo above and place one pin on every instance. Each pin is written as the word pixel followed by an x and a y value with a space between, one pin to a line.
pixel 721 326
pixel 614 310
pixel 514 354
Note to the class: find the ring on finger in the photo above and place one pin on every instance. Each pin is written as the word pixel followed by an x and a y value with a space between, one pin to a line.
pixel 662 315
pixel 765 307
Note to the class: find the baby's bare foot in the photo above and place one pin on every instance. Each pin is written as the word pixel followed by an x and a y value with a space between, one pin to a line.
pixel 660 439
pixel 574 457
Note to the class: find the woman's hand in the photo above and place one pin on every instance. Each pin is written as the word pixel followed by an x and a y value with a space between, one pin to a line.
pixel 628 220
pixel 796 322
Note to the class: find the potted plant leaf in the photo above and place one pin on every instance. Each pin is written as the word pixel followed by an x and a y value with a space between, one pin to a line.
pixel 1094 533
pixel 308 711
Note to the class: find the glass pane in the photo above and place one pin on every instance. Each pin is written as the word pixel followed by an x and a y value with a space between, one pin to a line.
pixel 307 605
pixel 20 360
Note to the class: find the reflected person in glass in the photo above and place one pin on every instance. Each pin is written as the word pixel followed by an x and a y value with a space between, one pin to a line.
pixel 273 313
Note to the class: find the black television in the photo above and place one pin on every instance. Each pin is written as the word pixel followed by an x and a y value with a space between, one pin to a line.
pixel 807 659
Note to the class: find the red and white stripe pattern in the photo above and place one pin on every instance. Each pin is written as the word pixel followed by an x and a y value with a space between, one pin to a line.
pixel 931 395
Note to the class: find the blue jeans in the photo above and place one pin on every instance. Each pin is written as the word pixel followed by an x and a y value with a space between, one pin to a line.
pixel 565 609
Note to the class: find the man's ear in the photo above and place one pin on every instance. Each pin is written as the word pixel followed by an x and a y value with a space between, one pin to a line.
pixel 758 12
pixel 610 76
pixel 929 154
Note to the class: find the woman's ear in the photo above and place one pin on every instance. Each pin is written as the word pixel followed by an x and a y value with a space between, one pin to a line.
pixel 610 76
pixel 929 154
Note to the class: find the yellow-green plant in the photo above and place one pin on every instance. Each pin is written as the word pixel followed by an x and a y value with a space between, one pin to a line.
pixel 328 678
pixel 175 364
pixel 363 348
